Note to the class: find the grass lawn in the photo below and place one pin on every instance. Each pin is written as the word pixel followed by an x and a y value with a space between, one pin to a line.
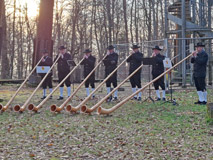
pixel 135 131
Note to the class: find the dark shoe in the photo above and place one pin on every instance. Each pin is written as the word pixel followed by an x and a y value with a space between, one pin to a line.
pixel 115 99
pixel 60 98
pixel 1 100
pixel 139 98
pixel 43 97
pixel 109 99
pixel 134 98
pixel 198 102
pixel 158 99
pixel 93 97
pixel 51 97
pixel 204 103
pixel 164 99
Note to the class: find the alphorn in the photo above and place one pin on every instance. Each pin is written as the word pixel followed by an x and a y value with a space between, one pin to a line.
pixel 69 108
pixel 85 109
pixel 4 108
pixel 54 108
pixel 101 110
pixel 18 108
pixel 34 108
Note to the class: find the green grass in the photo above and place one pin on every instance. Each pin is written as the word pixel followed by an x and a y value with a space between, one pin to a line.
pixel 134 131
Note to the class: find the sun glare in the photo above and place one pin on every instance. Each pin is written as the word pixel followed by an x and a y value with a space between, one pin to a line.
pixel 32 7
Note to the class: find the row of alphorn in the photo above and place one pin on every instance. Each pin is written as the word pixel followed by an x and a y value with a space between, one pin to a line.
pixel 82 106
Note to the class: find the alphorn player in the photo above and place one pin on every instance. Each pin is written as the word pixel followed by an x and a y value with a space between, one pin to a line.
pixel 135 61
pixel 199 59
pixel 89 64
pixel 63 71
pixel 158 69
pixel 110 63
pixel 46 61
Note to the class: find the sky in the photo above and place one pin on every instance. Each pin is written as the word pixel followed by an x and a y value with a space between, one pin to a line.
pixel 32 5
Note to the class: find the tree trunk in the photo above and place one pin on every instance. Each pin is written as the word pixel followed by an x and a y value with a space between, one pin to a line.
pixel 74 24
pixel 13 40
pixel 3 43
pixel 131 22
pixel 108 5
pixel 125 20
pixel 20 48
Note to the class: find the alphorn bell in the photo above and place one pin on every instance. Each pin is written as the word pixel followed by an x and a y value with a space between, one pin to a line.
pixel 32 107
pixel 84 108
pixel 69 108
pixel 18 108
pixel 4 108
pixel 54 108
pixel 108 111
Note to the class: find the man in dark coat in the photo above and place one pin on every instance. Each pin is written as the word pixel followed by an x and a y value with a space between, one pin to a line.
pixel 158 69
pixel 46 61
pixel 63 71
pixel 200 59
pixel 135 61
pixel 110 63
pixel 89 64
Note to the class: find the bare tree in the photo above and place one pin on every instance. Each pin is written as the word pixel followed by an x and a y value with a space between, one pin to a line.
pixel 3 43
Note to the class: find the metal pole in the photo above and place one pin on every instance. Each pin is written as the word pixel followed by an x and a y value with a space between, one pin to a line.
pixel 166 19
pixel 183 16
pixel 210 54
pixel 193 40
pixel 166 81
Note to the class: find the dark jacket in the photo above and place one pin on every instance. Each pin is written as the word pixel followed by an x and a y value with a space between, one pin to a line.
pixel 63 66
pixel 89 65
pixel 48 62
pixel 200 63
pixel 135 61
pixel 157 67
pixel 110 63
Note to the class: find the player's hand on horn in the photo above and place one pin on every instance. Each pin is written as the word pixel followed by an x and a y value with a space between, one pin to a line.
pixel 85 56
pixel 131 52
pixel 153 54
pixel 194 53
pixel 108 53
pixel 43 60
pixel 61 55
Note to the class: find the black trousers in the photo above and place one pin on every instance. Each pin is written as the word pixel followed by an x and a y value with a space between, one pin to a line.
pixel 112 80
pixel 200 83
pixel 47 81
pixel 159 82
pixel 90 81
pixel 135 80
pixel 61 76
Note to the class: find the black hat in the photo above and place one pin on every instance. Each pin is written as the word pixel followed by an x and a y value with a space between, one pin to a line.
pixel 61 47
pixel 135 46
pixel 110 47
pixel 87 51
pixel 200 44
pixel 157 47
